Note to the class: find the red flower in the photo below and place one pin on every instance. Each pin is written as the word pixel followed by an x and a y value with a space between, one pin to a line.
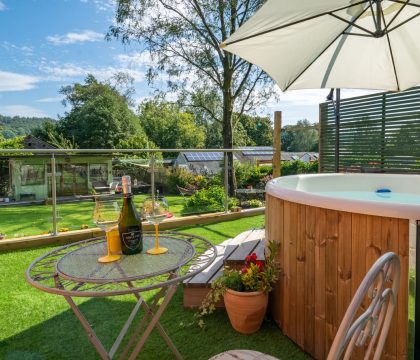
pixel 260 265
pixel 248 258
pixel 253 256
pixel 244 270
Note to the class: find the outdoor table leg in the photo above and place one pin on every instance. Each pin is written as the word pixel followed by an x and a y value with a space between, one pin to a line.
pixel 149 312
pixel 93 338
pixel 155 318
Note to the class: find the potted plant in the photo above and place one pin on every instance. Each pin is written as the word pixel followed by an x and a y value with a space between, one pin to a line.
pixel 245 292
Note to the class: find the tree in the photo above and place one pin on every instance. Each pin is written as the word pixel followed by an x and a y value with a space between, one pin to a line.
pixel 100 116
pixel 20 126
pixel 170 128
pixel 259 130
pixel 248 131
pixel 183 38
pixel 14 143
pixel 300 137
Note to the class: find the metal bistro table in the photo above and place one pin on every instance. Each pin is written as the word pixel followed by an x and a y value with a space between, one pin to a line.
pixel 73 271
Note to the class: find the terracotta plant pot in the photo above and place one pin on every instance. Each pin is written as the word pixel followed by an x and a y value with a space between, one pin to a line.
pixel 246 310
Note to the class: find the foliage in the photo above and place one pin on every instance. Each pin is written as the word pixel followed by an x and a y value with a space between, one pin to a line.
pixel 300 137
pixel 248 131
pixel 183 39
pixel 208 200
pixel 170 128
pixel 15 126
pixel 249 174
pixel 60 141
pixel 179 177
pixel 45 130
pixel 298 167
pixel 139 141
pixel 50 133
pixel 256 275
pixel 14 143
pixel 100 116
pixel 200 182
pixel 254 203
pixel 259 130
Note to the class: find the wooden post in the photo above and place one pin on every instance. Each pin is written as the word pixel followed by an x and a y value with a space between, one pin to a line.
pixel 277 145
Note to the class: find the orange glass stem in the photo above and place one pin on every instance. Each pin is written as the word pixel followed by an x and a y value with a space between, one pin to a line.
pixel 107 242
pixel 157 235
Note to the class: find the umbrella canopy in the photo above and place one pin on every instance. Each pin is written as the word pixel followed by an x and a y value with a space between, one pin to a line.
pixel 312 44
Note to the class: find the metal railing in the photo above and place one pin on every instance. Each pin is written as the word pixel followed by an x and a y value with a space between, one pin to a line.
pixel 115 152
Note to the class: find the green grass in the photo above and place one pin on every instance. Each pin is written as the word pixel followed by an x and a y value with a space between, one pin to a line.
pixel 37 325
pixel 19 221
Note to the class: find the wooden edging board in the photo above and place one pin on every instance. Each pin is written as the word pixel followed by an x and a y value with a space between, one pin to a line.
pixel 78 235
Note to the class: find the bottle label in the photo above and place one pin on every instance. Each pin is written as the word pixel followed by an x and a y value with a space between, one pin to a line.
pixel 132 239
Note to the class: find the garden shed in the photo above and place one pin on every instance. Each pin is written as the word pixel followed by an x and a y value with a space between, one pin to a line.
pixel 29 176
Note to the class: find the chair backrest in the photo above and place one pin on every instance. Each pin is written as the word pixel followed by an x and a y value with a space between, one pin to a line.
pixel 380 286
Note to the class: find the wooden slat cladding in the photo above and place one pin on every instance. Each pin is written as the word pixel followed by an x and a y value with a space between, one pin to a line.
pixel 379 132
pixel 324 255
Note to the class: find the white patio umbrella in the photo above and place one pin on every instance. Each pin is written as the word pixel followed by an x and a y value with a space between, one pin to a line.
pixel 312 44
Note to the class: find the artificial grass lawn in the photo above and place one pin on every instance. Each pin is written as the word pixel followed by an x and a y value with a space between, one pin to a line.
pixel 37 325
pixel 19 221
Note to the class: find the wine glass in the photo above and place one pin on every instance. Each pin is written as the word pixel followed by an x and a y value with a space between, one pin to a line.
pixel 155 210
pixel 106 215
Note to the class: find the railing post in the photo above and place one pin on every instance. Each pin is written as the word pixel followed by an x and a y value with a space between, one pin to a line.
pixel 152 174
pixel 54 194
pixel 277 145
pixel 226 183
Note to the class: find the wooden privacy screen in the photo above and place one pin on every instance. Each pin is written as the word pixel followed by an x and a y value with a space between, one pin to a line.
pixel 324 255
pixel 379 132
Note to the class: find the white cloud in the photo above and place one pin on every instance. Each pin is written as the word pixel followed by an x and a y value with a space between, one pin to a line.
pixel 2 6
pixel 50 99
pixel 22 110
pixel 136 59
pixel 16 82
pixel 102 5
pixel 24 50
pixel 73 37
pixel 69 71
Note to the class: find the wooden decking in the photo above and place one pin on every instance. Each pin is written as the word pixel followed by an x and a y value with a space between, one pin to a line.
pixel 231 253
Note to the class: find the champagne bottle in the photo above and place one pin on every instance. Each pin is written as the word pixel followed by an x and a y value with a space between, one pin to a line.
pixel 129 225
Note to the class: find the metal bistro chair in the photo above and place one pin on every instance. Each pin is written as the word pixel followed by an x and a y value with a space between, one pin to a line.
pixel 380 286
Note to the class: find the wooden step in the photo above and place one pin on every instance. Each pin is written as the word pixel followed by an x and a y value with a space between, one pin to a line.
pixel 232 253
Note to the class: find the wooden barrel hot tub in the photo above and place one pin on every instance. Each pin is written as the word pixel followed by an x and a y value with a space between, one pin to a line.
pixel 331 228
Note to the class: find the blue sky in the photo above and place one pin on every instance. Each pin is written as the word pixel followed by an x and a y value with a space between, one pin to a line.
pixel 45 44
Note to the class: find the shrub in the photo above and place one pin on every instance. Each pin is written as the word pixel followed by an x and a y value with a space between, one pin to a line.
pixel 200 182
pixel 208 200
pixel 254 203
pixel 179 177
pixel 247 174
pixel 298 167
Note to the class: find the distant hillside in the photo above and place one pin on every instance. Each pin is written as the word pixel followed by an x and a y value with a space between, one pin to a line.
pixel 18 126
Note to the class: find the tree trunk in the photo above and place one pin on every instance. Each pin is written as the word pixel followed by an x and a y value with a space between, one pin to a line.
pixel 228 139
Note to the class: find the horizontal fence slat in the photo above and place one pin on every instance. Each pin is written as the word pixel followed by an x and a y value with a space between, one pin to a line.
pixel 378 131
